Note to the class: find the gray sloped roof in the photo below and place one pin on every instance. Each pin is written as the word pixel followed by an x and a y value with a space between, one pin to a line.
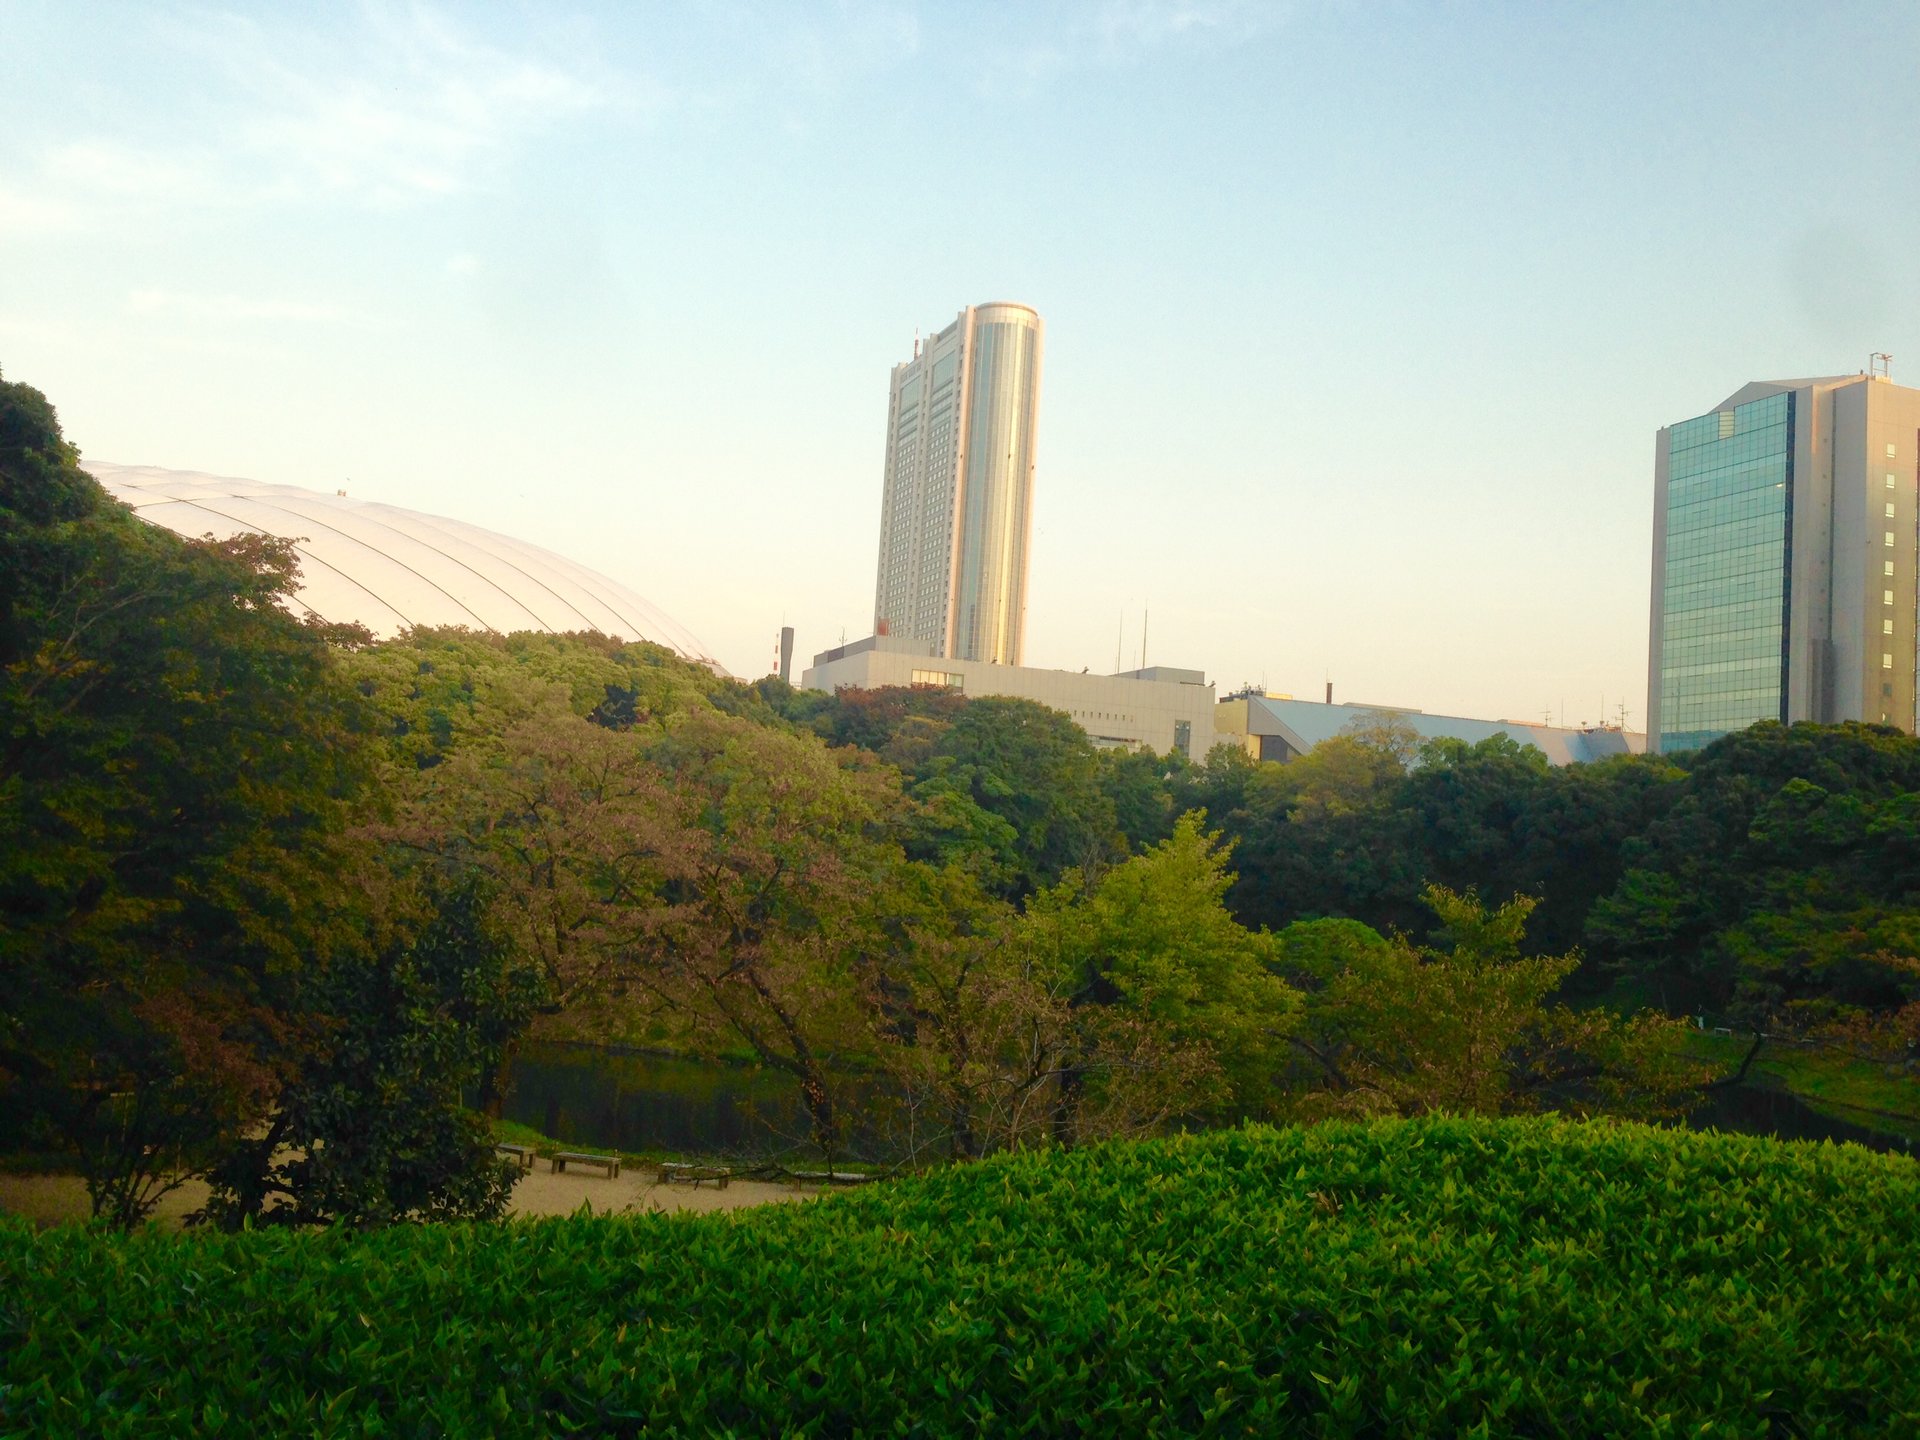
pixel 1303 724
pixel 390 569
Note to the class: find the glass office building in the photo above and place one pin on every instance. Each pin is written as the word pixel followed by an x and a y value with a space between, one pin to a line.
pixel 957 507
pixel 1728 532
pixel 1784 557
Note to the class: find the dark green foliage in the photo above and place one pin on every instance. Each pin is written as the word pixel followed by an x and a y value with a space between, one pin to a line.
pixel 176 752
pixel 1534 1278
pixel 1783 876
pixel 372 1126
pixel 1218 784
pixel 1008 789
pixel 1035 769
pixel 1139 785
pixel 1493 816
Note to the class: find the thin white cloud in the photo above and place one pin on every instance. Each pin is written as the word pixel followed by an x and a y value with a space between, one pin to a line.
pixel 414 108
pixel 1127 26
pixel 223 308
pixel 385 106
pixel 22 214
pixel 104 168
pixel 1129 32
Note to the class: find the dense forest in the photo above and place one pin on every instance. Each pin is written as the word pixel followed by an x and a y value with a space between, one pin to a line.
pixel 280 900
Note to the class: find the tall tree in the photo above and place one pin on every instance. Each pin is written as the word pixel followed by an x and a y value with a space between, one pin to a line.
pixel 176 751
pixel 769 899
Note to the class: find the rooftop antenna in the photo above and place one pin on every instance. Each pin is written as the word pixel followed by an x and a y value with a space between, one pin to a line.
pixel 1880 363
pixel 916 342
pixel 1143 637
pixel 1119 643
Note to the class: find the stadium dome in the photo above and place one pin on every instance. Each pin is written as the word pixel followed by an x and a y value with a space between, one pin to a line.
pixel 389 569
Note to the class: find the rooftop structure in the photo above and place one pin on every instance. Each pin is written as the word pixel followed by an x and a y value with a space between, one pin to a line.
pixel 390 569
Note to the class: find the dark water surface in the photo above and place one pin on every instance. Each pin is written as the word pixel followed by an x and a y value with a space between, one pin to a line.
pixel 1755 1110
pixel 622 1100
pixel 629 1100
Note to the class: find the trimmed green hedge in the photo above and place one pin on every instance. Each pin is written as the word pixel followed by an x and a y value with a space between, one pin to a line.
pixel 1405 1278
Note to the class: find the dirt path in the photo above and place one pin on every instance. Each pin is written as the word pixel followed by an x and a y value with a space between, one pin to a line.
pixel 53 1199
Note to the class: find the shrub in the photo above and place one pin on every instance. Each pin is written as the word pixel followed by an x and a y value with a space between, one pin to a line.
pixel 1527 1277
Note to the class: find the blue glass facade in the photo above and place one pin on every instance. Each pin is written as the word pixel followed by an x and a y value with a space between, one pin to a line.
pixel 1728 526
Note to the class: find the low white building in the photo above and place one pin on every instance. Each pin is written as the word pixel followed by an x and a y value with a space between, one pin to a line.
pixel 1279 727
pixel 1157 709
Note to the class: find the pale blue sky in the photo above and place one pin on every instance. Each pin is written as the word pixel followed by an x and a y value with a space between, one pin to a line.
pixel 1360 317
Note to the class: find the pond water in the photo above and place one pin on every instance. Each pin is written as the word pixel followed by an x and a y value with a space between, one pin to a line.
pixel 630 1100
pixel 624 1100
pixel 1756 1110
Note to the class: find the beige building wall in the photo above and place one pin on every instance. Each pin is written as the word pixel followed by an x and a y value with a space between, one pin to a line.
pixel 1157 709
pixel 956 510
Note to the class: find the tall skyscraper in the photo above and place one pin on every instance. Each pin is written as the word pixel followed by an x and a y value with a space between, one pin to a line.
pixel 1784 553
pixel 957 510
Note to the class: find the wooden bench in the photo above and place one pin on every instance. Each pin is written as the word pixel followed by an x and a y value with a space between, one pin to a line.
pixel 521 1155
pixel 611 1163
pixel 693 1175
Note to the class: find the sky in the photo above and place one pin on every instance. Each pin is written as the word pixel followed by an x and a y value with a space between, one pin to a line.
pixel 1360 316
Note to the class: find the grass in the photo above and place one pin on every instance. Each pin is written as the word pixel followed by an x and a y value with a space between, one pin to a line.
pixel 1863 1091
pixel 1443 1276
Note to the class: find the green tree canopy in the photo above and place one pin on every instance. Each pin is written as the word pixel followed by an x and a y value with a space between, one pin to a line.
pixel 1781 878
pixel 176 752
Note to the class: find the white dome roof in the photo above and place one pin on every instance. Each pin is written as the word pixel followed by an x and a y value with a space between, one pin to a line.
pixel 389 568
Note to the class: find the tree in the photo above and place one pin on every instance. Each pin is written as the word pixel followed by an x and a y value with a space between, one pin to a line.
pixel 1138 785
pixel 1388 732
pixel 1109 1007
pixel 1780 881
pixel 1217 786
pixel 1391 1028
pixel 576 830
pixel 1035 769
pixel 177 753
pixel 371 1126
pixel 1322 836
pixel 1466 804
pixel 769 899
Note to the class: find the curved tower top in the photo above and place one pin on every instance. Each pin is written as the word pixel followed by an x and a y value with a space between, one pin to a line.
pixel 957 510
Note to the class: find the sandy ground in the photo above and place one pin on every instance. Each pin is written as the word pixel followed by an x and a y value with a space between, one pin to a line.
pixel 52 1199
